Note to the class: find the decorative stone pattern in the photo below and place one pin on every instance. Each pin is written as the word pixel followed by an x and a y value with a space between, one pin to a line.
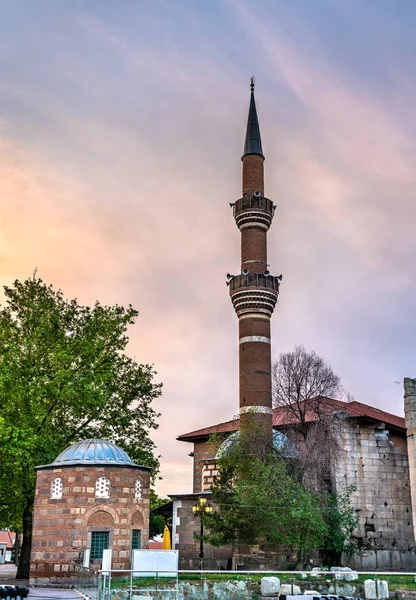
pixel 209 472
pixel 380 471
pixel 62 527
pixel 202 451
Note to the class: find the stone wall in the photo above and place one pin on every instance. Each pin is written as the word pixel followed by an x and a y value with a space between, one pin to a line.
pixel 62 527
pixel 209 471
pixel 186 525
pixel 377 465
pixel 202 451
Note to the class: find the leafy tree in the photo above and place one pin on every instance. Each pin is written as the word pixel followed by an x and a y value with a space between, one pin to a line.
pixel 157 522
pixel 64 376
pixel 260 501
pixel 266 502
pixel 342 520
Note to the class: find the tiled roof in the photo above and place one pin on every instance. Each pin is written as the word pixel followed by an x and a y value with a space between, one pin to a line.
pixel 282 416
pixel 7 537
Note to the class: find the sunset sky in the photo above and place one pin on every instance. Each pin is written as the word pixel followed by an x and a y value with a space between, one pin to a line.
pixel 121 130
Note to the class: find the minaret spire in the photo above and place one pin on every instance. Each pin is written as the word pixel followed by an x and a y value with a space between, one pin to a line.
pixel 254 294
pixel 252 144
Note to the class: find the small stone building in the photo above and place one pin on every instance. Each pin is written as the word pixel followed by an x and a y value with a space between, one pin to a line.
pixel 93 496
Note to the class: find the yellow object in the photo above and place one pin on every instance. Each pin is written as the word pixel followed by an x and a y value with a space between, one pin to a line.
pixel 166 545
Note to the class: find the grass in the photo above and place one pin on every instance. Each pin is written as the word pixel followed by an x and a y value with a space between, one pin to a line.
pixel 404 582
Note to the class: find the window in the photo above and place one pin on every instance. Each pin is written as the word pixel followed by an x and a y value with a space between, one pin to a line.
pixel 136 535
pixel 99 542
pixel 138 490
pixel 102 487
pixel 56 489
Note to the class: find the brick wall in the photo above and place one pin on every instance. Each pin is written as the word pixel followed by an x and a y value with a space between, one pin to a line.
pixel 62 527
pixel 253 174
pixel 378 466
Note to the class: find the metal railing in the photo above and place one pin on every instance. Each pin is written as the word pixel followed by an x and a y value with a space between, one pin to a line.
pixel 253 201
pixel 255 280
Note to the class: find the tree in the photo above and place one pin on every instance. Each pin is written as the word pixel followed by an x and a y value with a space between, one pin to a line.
pixel 157 522
pixel 64 376
pixel 342 519
pixel 265 502
pixel 261 502
pixel 304 386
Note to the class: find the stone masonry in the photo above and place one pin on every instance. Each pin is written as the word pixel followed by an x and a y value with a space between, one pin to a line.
pixel 374 462
pixel 185 531
pixel 410 416
pixel 62 527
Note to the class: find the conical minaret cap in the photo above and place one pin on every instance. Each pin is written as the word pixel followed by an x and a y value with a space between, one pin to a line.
pixel 252 144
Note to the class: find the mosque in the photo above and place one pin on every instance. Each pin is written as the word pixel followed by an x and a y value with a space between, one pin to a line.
pixel 92 497
pixel 378 453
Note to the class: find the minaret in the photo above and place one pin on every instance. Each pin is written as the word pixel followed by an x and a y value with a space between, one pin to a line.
pixel 254 292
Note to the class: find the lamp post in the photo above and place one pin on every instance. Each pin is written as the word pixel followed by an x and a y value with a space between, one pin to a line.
pixel 201 508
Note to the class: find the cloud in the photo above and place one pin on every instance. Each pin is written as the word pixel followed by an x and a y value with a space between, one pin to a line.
pixel 120 151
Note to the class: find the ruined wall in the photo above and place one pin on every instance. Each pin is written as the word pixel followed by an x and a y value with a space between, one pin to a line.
pixel 377 465
pixel 62 527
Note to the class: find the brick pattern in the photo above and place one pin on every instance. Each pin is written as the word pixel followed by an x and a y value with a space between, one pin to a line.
pixel 253 174
pixel 379 469
pixel 62 528
pixel 254 248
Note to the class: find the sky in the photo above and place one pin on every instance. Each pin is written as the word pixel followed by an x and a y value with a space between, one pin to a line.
pixel 121 131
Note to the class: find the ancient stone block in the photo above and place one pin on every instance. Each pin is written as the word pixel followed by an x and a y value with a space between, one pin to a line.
pixel 376 589
pixel 270 586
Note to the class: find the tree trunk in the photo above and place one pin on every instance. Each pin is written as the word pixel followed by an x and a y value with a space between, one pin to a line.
pixel 300 562
pixel 23 569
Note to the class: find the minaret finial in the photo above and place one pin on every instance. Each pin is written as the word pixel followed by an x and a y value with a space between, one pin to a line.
pixel 252 144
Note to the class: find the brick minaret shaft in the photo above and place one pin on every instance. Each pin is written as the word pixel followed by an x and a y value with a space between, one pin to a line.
pixel 254 292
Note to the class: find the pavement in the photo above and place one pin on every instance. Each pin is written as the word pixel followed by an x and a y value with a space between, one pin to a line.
pixel 8 577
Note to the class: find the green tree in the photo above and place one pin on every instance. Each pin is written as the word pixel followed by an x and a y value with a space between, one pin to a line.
pixel 261 501
pixel 342 520
pixel 64 376
pixel 157 522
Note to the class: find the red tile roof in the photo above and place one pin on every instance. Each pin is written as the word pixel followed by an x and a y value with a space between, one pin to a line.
pixel 7 537
pixel 281 417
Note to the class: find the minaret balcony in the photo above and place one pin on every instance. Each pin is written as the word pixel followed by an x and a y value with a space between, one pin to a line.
pixel 253 210
pixel 254 293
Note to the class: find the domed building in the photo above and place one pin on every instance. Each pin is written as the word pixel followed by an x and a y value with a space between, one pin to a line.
pixel 92 497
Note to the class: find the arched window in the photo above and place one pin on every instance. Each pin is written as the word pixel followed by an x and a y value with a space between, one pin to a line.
pixel 102 487
pixel 138 490
pixel 56 489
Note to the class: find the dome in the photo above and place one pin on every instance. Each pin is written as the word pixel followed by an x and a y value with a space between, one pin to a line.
pixel 280 443
pixel 93 452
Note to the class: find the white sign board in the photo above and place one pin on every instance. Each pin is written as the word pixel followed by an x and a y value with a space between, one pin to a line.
pixel 152 562
pixel 86 559
pixel 106 566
